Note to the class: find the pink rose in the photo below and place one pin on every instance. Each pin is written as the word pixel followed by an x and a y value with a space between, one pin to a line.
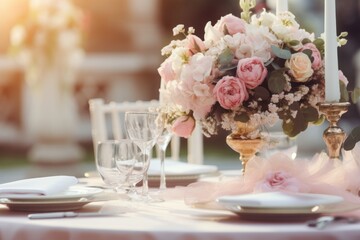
pixel 230 92
pixel 166 71
pixel 195 44
pixel 183 126
pixel 279 181
pixel 251 71
pixel 232 24
pixel 343 78
pixel 317 62
pixel 300 67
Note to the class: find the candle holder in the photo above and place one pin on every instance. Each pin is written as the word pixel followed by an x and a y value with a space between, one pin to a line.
pixel 334 136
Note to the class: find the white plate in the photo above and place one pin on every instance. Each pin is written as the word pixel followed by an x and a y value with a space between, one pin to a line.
pixel 45 206
pixel 278 202
pixel 179 169
pixel 74 192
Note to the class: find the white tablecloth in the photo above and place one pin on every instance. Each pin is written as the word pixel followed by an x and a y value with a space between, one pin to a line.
pixel 170 220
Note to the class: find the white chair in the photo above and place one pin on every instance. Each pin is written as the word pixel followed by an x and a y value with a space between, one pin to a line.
pixel 103 114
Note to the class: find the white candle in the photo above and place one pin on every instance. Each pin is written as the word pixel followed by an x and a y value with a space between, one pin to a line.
pixel 332 87
pixel 281 6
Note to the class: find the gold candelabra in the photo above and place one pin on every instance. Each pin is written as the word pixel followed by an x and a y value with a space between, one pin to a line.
pixel 334 136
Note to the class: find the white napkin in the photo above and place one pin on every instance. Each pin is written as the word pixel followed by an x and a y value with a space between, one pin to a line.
pixel 176 168
pixel 279 200
pixel 38 186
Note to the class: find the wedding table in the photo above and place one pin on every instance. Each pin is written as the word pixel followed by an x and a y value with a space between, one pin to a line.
pixel 163 220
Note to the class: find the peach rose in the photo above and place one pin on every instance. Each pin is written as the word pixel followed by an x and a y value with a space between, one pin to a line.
pixel 195 44
pixel 317 63
pixel 166 71
pixel 183 126
pixel 251 71
pixel 230 92
pixel 232 24
pixel 300 67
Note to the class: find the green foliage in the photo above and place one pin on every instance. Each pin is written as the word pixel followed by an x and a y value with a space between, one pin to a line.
pixel 320 45
pixel 308 52
pixel 344 94
pixel 242 117
pixel 355 95
pixel 261 93
pixel 277 81
pixel 352 139
pixel 305 41
pixel 225 58
pixel 305 115
pixel 281 53
pixel 294 43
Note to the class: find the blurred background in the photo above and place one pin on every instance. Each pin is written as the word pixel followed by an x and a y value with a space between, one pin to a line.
pixel 120 53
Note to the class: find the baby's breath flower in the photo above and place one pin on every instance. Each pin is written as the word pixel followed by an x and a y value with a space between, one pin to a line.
pixel 191 30
pixel 178 29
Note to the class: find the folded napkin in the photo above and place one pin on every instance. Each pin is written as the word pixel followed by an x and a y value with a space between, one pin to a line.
pixel 38 186
pixel 177 168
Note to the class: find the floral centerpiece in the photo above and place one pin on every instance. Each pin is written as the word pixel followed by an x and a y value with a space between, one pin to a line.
pixel 257 69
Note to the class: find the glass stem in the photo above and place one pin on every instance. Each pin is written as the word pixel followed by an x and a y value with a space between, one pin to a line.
pixel 162 170
pixel 145 187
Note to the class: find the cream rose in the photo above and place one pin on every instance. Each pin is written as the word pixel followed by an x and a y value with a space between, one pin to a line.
pixel 300 67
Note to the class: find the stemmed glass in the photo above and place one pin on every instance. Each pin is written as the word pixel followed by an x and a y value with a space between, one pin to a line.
pixel 143 129
pixel 162 143
pixel 115 161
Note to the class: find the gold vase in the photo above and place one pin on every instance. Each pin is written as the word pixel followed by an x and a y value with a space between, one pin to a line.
pixel 247 148
pixel 334 136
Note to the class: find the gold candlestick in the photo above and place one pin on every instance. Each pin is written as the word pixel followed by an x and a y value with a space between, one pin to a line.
pixel 334 136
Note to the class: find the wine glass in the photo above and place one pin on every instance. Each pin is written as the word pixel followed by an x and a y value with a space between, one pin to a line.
pixel 279 142
pixel 162 143
pixel 143 129
pixel 115 162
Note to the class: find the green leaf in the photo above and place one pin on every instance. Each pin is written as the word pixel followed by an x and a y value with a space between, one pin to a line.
pixel 281 53
pixel 305 41
pixel 308 52
pixel 277 81
pixel 293 127
pixel 262 93
pixel 310 114
pixel 225 58
pixel 300 124
pixel 355 95
pixel 344 94
pixel 294 43
pixel 352 139
pixel 319 121
pixel 288 128
pixel 319 43
pixel 242 117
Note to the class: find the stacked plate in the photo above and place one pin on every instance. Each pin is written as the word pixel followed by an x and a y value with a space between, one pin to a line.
pixel 178 173
pixel 279 203
pixel 72 199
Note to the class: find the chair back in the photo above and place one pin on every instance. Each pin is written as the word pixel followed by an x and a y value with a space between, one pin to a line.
pixel 107 123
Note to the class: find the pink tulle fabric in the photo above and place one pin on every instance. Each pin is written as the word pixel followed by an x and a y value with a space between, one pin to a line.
pixel 280 173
